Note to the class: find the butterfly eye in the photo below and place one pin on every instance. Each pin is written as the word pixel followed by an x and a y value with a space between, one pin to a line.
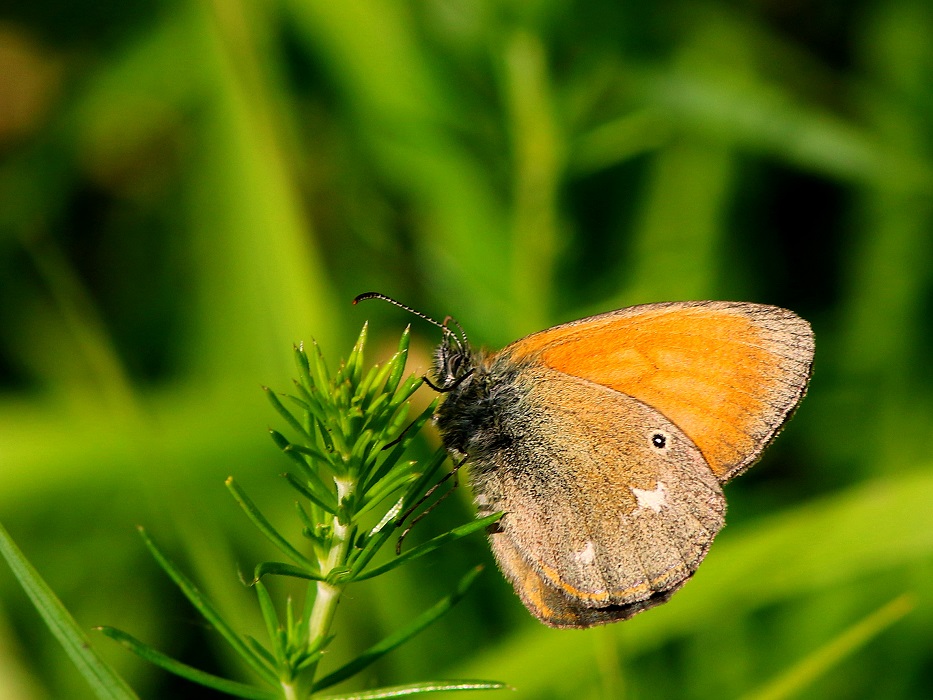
pixel 659 439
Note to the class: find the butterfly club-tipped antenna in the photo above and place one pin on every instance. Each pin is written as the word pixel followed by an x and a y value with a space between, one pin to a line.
pixel 462 349
pixel 448 333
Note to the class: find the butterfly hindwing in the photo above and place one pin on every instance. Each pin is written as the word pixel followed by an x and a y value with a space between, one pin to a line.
pixel 608 505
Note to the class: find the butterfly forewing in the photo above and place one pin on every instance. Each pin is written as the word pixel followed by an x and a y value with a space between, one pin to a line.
pixel 728 374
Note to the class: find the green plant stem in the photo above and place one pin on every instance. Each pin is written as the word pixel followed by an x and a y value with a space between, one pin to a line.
pixel 289 691
pixel 327 594
pixel 322 614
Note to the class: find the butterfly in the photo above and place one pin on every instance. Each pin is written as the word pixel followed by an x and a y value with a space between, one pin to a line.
pixel 606 441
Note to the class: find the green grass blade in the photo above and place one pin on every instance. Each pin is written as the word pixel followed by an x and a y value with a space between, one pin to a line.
pixel 204 606
pixel 397 691
pixel 798 677
pixel 105 682
pixel 432 544
pixel 395 640
pixel 194 675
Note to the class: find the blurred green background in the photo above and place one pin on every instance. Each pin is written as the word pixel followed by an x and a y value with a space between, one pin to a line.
pixel 188 187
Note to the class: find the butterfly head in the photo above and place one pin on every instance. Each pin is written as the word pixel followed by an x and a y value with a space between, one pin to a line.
pixel 454 359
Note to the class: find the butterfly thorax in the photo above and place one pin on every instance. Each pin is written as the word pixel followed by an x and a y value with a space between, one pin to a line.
pixel 478 394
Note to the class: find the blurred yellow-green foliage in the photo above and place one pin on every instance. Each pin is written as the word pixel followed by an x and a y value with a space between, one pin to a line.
pixel 187 187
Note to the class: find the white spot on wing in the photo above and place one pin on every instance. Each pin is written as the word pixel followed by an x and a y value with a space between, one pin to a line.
pixel 654 499
pixel 587 555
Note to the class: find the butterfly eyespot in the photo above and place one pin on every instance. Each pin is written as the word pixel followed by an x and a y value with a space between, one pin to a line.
pixel 659 439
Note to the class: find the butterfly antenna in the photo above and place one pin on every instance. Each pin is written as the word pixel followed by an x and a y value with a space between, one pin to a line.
pixel 462 332
pixel 443 326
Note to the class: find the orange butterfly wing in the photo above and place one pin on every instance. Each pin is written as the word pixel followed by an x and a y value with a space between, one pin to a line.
pixel 728 374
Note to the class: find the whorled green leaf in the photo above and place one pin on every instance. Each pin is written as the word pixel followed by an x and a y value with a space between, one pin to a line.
pixel 208 680
pixel 387 459
pixel 269 616
pixel 400 637
pixel 394 453
pixel 429 546
pixel 299 455
pixel 320 373
pixel 354 365
pixel 264 526
pixel 398 691
pixel 210 613
pixel 286 414
pixel 279 568
pixel 302 488
pixel 387 487
pixel 398 361
pixel 361 559
pixel 303 365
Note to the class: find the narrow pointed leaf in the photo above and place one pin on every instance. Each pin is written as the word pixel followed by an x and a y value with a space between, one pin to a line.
pixel 401 636
pixel 314 481
pixel 102 678
pixel 286 414
pixel 316 408
pixel 398 691
pixel 279 568
pixel 386 489
pixel 312 452
pixel 370 385
pixel 409 387
pixel 256 646
pixel 432 544
pixel 318 366
pixel 398 362
pixel 303 489
pixel 374 542
pixel 379 381
pixel 259 520
pixel 269 616
pixel 210 613
pixel 395 453
pixel 295 453
pixel 240 690
pixel 355 362
pixel 304 365
pixel 420 487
